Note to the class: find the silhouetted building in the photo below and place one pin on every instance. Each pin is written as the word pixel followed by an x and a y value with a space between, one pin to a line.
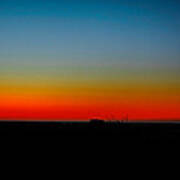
pixel 97 122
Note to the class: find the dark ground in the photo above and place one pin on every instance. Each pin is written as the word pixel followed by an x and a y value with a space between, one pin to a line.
pixel 157 132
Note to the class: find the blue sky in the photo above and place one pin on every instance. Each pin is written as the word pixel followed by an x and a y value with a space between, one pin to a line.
pixel 148 30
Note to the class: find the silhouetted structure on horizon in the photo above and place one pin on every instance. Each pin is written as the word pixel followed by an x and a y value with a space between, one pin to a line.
pixel 97 122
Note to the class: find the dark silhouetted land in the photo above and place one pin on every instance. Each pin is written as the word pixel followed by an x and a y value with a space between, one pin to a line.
pixel 124 131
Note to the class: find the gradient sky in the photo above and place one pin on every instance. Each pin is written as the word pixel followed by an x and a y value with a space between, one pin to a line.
pixel 78 59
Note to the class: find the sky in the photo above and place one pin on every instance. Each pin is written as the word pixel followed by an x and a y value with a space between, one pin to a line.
pixel 80 59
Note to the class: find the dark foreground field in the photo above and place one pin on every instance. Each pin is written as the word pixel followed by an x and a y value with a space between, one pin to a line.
pixel 124 131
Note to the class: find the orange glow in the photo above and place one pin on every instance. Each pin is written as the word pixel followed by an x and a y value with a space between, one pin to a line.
pixel 82 98
pixel 41 108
